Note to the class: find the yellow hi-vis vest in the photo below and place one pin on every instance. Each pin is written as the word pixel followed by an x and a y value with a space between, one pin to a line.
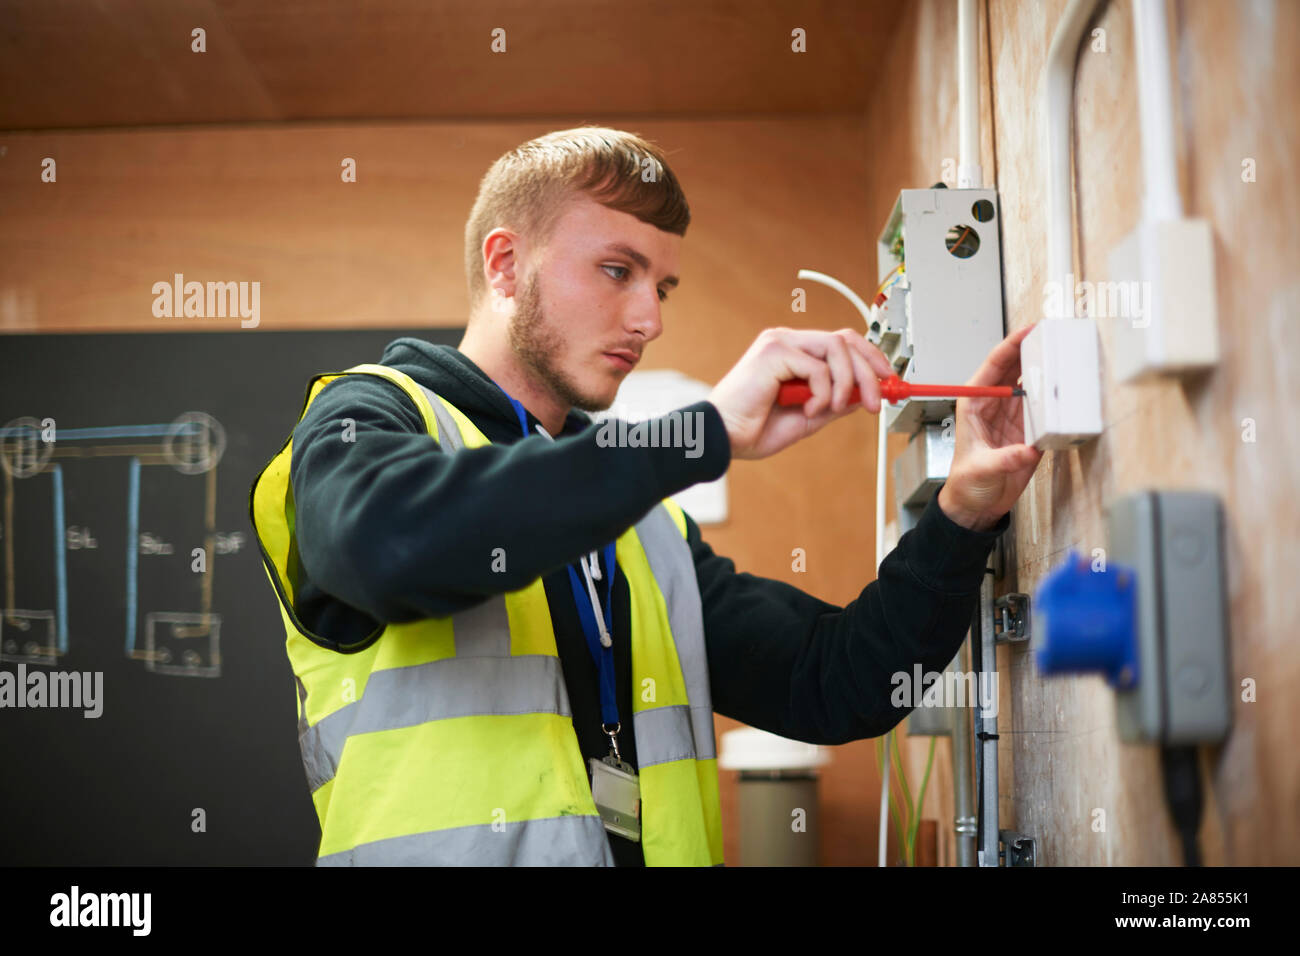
pixel 449 740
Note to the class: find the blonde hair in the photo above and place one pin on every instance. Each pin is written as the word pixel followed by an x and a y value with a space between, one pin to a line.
pixel 527 188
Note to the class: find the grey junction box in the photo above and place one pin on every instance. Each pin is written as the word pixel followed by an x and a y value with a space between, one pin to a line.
pixel 1174 540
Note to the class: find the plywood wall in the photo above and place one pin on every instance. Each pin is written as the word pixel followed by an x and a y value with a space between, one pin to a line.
pixel 266 203
pixel 1237 97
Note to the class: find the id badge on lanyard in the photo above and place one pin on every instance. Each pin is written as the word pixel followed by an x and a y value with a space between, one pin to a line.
pixel 616 790
pixel 615 786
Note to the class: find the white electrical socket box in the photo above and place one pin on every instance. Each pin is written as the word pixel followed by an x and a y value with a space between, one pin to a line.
pixel 1061 376
pixel 1161 300
pixel 944 316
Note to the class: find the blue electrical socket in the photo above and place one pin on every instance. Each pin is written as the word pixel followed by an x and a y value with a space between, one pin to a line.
pixel 1085 622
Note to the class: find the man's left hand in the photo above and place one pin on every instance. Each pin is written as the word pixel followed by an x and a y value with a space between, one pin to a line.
pixel 991 464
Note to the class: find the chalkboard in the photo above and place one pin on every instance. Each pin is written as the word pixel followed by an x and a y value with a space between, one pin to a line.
pixel 133 587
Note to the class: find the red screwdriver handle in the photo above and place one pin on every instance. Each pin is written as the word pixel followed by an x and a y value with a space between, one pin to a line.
pixel 894 389
pixel 797 391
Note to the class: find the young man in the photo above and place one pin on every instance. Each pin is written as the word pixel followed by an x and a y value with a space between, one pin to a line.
pixel 508 642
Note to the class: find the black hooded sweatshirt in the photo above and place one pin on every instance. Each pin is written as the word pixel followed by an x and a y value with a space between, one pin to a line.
pixel 390 529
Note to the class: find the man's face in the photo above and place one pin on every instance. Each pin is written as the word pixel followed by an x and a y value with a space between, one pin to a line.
pixel 596 290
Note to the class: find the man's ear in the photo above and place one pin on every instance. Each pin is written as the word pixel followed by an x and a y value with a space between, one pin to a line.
pixel 499 262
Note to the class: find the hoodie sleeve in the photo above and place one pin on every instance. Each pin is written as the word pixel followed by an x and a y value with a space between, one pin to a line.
pixel 786 662
pixel 391 525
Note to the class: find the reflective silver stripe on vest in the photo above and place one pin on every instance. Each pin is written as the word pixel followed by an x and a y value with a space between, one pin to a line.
pixel 555 841
pixel 663 734
pixel 316 751
pixel 673 568
pixel 448 433
pixel 483 630
pixel 438 690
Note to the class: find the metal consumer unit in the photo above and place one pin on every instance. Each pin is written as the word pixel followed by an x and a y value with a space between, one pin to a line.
pixel 944 312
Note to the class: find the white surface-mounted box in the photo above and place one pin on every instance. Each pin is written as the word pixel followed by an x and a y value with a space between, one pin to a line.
pixel 1062 382
pixel 1161 300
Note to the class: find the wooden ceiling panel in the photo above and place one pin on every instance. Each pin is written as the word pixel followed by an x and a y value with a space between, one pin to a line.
pixel 81 64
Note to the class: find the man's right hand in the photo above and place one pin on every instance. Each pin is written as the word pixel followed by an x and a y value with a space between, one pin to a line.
pixel 832 363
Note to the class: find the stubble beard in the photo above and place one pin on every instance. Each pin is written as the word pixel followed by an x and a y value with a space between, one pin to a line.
pixel 540 345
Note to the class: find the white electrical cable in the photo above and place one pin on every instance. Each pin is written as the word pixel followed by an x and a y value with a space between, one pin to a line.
pixel 865 311
pixel 881 454
pixel 842 289
pixel 1058 93
pixel 969 173
pixel 881 450
pixel 1161 200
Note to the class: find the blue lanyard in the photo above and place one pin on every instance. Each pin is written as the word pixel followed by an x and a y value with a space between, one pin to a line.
pixel 602 656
